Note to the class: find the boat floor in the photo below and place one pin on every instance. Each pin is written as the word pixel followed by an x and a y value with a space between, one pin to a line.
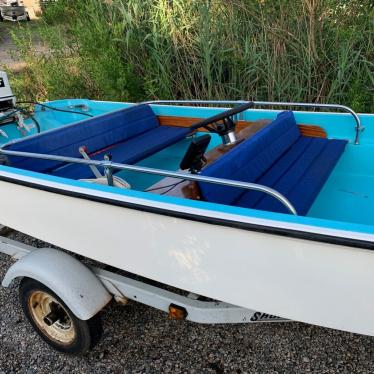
pixel 348 194
pixel 167 159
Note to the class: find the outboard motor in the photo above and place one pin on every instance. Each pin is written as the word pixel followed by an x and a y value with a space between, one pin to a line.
pixel 7 103
pixel 7 99
pixel 9 113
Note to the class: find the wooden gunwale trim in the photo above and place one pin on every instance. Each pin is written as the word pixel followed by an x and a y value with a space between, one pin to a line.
pixel 305 129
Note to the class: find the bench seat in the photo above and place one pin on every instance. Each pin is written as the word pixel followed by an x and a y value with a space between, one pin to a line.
pixel 279 157
pixel 129 135
pixel 129 151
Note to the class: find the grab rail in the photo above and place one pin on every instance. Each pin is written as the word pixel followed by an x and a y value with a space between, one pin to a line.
pixel 109 165
pixel 358 126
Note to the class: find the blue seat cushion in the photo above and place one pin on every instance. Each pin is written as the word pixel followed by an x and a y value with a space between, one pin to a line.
pixel 129 151
pixel 299 175
pixel 251 159
pixel 278 157
pixel 96 133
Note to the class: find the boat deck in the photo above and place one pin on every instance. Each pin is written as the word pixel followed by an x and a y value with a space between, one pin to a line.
pixel 348 194
pixel 167 159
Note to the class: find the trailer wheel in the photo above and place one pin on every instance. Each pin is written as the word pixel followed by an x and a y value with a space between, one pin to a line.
pixel 55 322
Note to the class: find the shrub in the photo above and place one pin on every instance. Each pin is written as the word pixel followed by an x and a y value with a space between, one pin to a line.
pixel 313 51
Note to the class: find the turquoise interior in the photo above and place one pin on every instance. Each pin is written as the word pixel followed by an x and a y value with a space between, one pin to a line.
pixel 50 119
pixel 167 159
pixel 348 194
pixel 346 200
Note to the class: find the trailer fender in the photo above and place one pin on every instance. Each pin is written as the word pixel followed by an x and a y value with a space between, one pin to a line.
pixel 76 285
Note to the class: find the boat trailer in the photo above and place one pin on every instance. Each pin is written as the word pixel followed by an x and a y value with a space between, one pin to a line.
pixel 73 293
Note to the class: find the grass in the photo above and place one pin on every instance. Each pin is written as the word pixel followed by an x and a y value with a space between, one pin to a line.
pixel 4 27
pixel 314 51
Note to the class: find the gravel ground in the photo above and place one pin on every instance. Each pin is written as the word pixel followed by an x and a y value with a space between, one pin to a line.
pixel 138 339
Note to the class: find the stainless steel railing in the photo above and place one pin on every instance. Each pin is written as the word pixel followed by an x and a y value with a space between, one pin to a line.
pixel 109 166
pixel 358 126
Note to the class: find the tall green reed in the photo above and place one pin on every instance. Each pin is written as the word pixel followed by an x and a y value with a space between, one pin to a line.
pixel 310 50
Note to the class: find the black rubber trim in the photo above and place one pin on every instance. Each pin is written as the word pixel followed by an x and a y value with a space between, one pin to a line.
pixel 330 239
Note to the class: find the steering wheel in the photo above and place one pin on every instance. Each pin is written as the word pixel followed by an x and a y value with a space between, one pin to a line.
pixel 222 122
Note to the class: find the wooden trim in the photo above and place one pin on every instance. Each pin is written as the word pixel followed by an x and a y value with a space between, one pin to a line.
pixel 177 121
pixel 312 131
pixel 189 121
pixel 305 129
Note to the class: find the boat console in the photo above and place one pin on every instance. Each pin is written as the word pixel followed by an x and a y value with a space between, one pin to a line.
pixel 194 159
pixel 223 124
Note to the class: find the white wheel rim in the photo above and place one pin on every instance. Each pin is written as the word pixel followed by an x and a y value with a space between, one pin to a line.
pixel 40 305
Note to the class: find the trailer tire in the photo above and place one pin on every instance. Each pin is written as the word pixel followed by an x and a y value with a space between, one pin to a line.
pixel 55 322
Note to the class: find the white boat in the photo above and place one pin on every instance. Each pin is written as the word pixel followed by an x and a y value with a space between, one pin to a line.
pixel 276 217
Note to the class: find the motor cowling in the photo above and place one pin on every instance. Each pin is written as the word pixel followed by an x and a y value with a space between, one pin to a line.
pixel 7 99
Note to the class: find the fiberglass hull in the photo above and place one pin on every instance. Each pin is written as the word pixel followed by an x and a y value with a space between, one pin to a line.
pixel 216 254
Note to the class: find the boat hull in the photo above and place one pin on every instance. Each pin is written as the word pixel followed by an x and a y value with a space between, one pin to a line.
pixel 304 280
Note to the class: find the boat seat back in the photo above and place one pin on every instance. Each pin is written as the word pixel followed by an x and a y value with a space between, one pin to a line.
pixel 250 159
pixel 128 151
pixel 279 157
pixel 94 133
pixel 99 134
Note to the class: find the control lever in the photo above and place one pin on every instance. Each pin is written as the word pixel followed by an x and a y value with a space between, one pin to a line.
pixel 109 178
pixel 21 125
pixel 83 151
pixel 108 170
